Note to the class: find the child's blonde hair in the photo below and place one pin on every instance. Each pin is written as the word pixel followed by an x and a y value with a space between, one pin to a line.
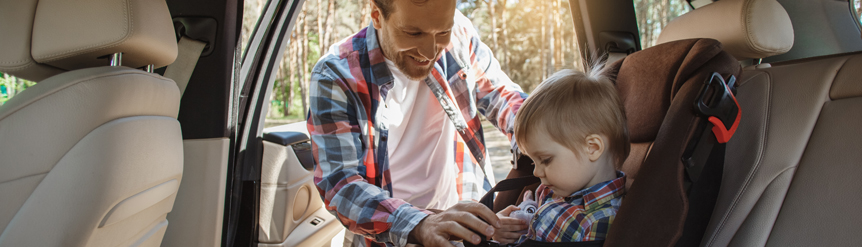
pixel 571 105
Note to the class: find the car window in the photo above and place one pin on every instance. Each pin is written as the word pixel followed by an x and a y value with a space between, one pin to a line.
pixel 531 39
pixel 11 86
pixel 653 15
pixel 857 6
pixel 250 17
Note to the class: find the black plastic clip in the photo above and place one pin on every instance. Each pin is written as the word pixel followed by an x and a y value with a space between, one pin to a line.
pixel 719 108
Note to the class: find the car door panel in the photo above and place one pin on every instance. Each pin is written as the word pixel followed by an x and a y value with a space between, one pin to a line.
pixel 291 210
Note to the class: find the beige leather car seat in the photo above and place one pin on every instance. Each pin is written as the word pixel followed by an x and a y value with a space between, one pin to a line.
pixel 92 154
pixel 791 171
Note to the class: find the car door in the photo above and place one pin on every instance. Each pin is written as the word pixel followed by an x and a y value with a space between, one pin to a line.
pixel 273 196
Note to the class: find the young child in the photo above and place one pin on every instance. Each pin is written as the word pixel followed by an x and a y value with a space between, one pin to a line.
pixel 573 126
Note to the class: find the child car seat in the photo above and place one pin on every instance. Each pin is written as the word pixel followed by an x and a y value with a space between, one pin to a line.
pixel 661 88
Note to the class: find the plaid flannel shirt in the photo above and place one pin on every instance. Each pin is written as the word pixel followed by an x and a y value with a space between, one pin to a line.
pixel 349 139
pixel 586 215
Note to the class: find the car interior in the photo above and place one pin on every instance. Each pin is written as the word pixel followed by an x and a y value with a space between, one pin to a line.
pixel 110 148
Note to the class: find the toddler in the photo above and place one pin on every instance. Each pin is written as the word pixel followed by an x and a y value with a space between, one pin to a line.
pixel 573 126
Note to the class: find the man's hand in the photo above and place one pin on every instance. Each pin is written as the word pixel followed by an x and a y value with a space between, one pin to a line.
pixel 510 232
pixel 456 223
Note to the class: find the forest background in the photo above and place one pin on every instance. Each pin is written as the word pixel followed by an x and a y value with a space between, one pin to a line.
pixel 531 38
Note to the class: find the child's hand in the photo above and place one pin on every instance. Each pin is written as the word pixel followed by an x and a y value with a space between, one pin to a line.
pixel 512 227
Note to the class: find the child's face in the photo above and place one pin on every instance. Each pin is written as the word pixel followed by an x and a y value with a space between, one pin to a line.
pixel 558 166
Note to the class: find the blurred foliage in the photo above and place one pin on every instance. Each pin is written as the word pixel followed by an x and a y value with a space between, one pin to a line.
pixel 11 86
pixel 653 15
pixel 531 39
pixel 858 5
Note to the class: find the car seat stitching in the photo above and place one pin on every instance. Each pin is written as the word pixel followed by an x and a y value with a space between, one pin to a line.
pixel 128 30
pixel 67 85
pixel 832 83
pixel 23 177
pixel 760 195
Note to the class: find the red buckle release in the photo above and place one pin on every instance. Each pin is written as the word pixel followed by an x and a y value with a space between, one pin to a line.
pixel 720 111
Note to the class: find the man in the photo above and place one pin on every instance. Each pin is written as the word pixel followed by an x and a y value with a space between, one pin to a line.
pixel 395 129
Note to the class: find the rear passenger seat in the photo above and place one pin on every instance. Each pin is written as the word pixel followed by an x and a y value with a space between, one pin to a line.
pixel 792 171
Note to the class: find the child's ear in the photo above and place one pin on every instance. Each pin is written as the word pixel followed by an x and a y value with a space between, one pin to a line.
pixel 595 147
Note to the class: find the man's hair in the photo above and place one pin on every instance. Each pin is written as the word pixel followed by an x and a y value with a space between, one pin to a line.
pixel 571 105
pixel 387 7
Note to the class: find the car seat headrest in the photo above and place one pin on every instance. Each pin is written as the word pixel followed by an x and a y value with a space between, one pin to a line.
pixel 748 29
pixel 649 81
pixel 67 35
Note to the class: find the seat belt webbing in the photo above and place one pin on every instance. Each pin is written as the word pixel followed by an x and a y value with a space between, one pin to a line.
pixel 188 53
pixel 505 185
pixel 702 198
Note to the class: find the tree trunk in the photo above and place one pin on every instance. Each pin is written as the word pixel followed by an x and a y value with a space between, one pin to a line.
pixel 10 85
pixel 320 22
pixel 542 38
pixel 505 39
pixel 558 45
pixel 303 82
pixel 329 36
pixel 286 79
pixel 553 36
pixel 364 13
pixel 493 15
pixel 293 58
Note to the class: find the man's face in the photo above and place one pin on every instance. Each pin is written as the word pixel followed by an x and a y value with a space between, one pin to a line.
pixel 415 34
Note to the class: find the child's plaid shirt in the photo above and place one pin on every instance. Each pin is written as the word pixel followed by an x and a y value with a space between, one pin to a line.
pixel 586 215
pixel 349 138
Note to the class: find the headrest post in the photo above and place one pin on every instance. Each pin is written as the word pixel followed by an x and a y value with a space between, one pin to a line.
pixel 117 59
pixel 758 61
pixel 151 68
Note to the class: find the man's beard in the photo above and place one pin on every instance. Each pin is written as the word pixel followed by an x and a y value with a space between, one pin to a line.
pixel 402 62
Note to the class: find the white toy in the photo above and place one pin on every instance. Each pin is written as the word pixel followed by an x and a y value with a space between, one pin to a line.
pixel 527 207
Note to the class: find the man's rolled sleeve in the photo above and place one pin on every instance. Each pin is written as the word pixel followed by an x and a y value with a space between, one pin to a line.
pixel 404 220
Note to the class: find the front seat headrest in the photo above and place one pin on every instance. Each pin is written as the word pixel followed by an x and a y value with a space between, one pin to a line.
pixel 748 29
pixel 48 37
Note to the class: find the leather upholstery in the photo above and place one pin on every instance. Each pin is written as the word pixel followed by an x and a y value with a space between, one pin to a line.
pixel 75 146
pixel 69 35
pixel 658 87
pixel 15 55
pixel 747 28
pixel 92 156
pixel 792 168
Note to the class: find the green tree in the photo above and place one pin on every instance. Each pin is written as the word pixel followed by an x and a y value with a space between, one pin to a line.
pixel 11 86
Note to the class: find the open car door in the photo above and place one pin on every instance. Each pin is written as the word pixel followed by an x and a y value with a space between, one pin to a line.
pixel 273 196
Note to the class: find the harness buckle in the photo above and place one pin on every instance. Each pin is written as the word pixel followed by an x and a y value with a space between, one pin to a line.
pixel 720 107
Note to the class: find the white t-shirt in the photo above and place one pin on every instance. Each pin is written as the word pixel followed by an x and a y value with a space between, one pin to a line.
pixel 420 146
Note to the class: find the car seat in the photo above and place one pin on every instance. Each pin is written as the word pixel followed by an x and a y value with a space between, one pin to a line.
pixel 92 154
pixel 658 86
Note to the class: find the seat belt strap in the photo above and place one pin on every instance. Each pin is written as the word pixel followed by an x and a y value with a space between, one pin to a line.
pixel 702 198
pixel 704 156
pixel 505 185
pixel 188 53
